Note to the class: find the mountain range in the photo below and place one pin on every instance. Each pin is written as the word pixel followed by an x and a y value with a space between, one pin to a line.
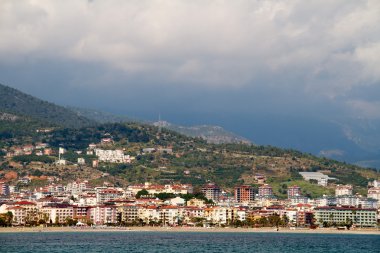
pixel 18 103
pixel 170 156
pixel 356 141
pixel 212 134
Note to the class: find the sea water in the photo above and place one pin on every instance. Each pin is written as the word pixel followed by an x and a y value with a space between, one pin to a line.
pixel 131 241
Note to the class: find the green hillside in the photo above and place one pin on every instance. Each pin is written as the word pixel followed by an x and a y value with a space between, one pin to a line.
pixel 212 134
pixel 175 157
pixel 225 164
pixel 101 116
pixel 16 129
pixel 19 103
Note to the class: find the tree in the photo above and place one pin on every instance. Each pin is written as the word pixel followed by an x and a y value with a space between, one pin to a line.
pixel 143 192
pixel 31 218
pixel 274 220
pixel 165 196
pixel 331 218
pixel 9 218
pixel 6 219
pixel 348 223
pixel 262 221
pixel 70 221
pixel 285 220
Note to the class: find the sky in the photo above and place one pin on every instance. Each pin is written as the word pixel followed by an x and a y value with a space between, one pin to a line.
pixel 299 74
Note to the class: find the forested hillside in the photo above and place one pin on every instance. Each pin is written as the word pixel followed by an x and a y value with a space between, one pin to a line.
pixel 16 102
pixel 176 158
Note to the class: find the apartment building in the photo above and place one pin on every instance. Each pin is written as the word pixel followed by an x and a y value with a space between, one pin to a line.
pixel 339 215
pixel 244 193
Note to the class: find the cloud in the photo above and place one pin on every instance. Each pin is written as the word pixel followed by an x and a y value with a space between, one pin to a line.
pixel 329 47
pixel 365 109
pixel 331 153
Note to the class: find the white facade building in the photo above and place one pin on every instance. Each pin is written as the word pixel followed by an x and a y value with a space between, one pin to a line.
pixel 100 215
pixel 113 156
pixel 374 193
pixel 341 190
pixel 322 179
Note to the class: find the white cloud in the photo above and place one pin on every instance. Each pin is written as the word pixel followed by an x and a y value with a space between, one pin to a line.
pixel 368 57
pixel 365 109
pixel 331 153
pixel 327 46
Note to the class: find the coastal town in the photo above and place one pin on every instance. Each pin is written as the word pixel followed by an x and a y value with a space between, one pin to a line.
pixel 80 204
pixel 85 203
pixel 189 126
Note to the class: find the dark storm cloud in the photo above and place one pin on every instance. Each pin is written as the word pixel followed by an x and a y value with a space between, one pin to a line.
pixel 245 65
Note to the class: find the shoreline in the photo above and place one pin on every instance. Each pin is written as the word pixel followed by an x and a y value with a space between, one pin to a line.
pixel 187 229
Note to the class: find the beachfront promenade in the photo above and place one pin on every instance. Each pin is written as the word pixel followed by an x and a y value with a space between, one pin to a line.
pixel 189 229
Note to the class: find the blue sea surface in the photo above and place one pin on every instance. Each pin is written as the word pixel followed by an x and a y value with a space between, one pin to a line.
pixel 186 242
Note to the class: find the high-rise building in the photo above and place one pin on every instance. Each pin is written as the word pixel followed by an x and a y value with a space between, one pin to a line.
pixel 211 191
pixel 265 190
pixel 244 193
pixel 294 191
pixel 4 188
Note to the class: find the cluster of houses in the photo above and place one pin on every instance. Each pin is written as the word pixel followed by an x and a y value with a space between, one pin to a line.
pixel 102 152
pixel 78 201
pixel 38 149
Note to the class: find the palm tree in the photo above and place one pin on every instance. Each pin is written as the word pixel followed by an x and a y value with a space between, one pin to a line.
pixel 285 220
pixel 150 219
pixel 331 217
pixel 9 218
pixel 354 218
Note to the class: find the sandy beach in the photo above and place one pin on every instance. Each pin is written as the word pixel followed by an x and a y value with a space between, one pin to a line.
pixel 187 229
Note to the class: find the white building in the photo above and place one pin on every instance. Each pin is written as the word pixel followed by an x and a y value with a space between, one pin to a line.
pixel 108 194
pixel 374 183
pixel 100 215
pixel 19 214
pixel 148 214
pixel 61 162
pixel 224 215
pixel 347 200
pixel 368 203
pixel 58 213
pixel 359 217
pixel 76 187
pixel 81 161
pixel 356 201
pixel 87 200
pixel 295 200
pixel 325 201
pixel 177 201
pixel 374 193
pixel 341 190
pixel 156 189
pixel 113 156
pixel 322 179
pixel 169 215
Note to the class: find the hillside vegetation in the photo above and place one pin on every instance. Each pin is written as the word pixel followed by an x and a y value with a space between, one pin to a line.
pixel 17 129
pixel 16 102
pixel 195 161
pixel 212 134
pixel 173 157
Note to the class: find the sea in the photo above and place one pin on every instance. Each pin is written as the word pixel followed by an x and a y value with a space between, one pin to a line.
pixel 131 241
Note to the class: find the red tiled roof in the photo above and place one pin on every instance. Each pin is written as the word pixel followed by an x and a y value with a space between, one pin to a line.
pixel 15 207
pixel 344 208
pixel 169 207
pixel 25 203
